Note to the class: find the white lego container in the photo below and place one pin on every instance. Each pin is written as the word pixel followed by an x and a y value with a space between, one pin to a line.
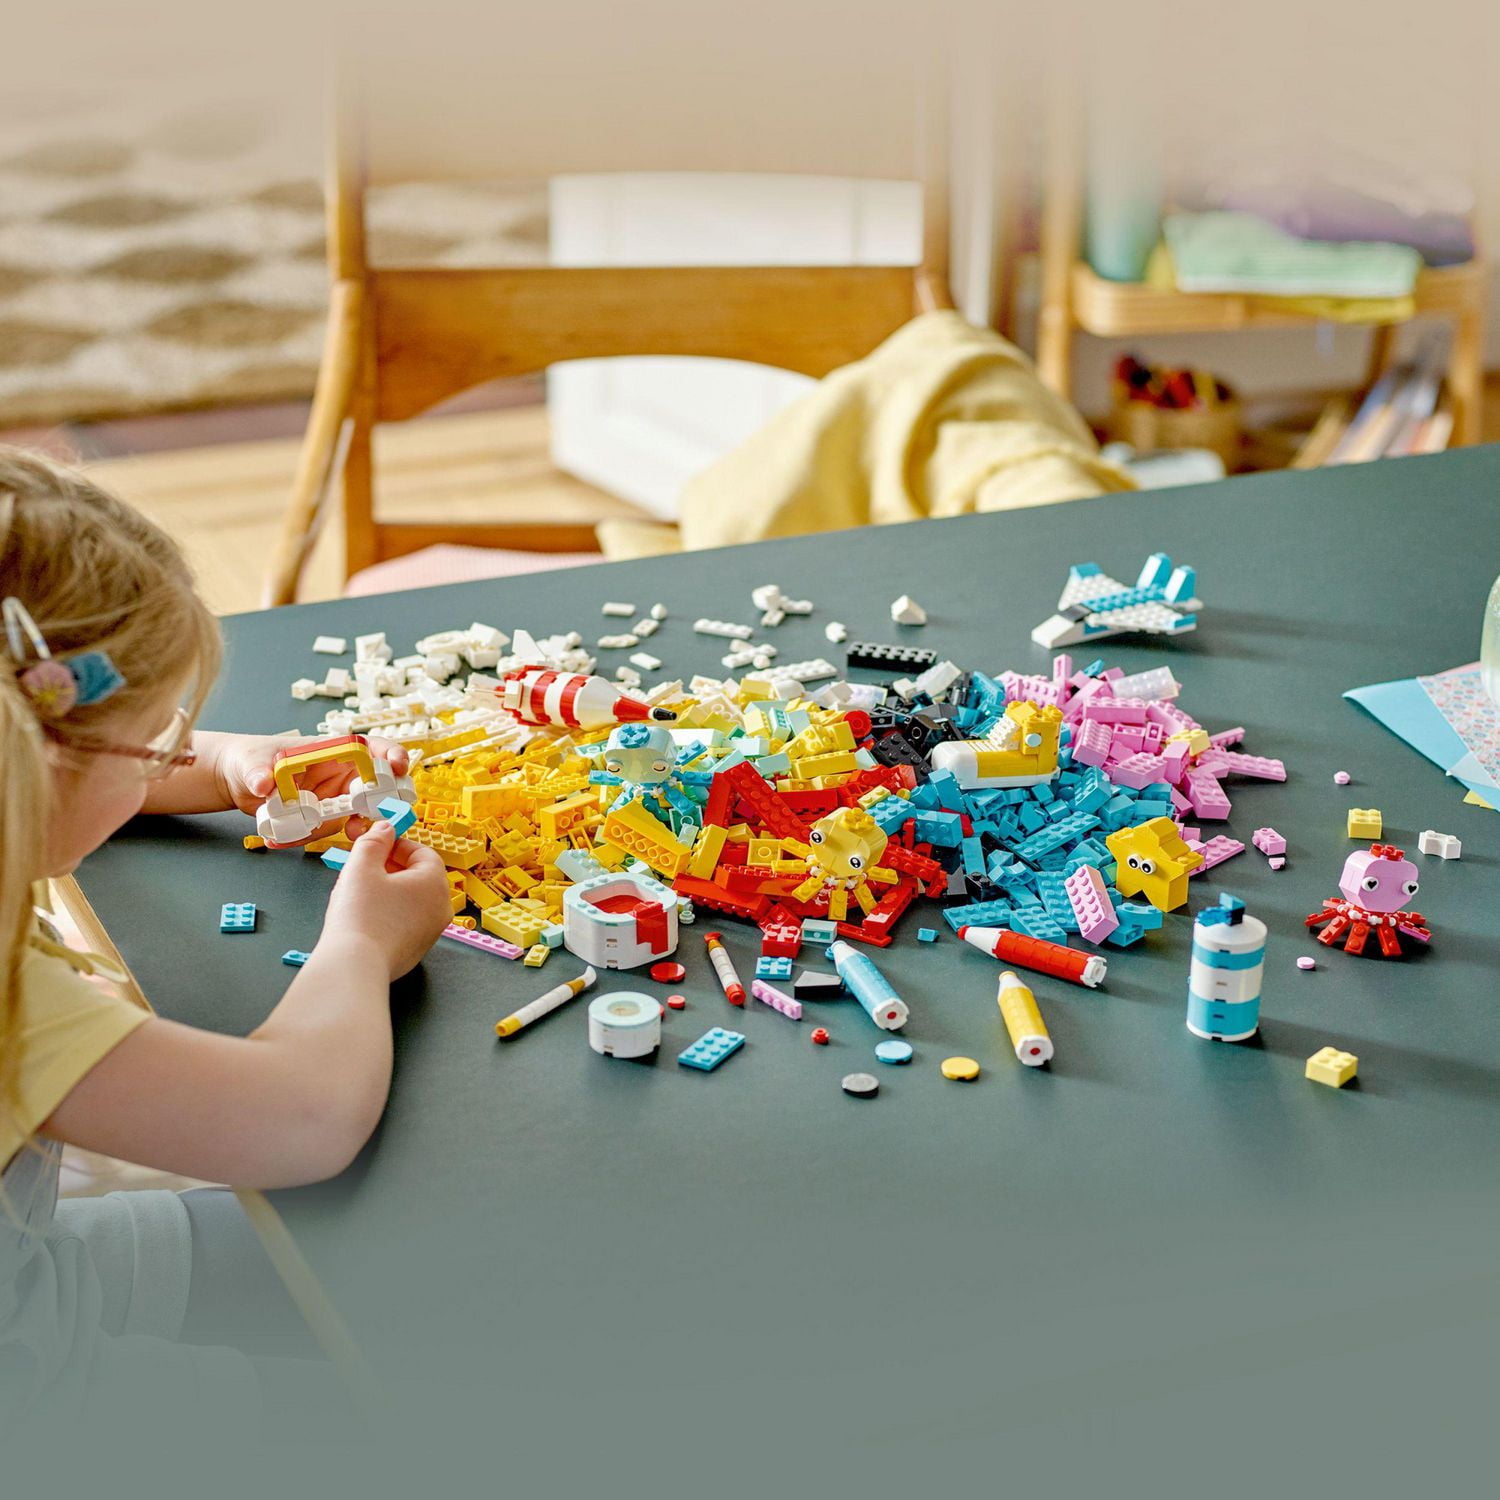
pixel 620 920
pixel 625 1024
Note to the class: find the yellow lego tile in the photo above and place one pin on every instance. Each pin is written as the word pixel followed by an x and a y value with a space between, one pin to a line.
pixel 1329 1065
pixel 537 955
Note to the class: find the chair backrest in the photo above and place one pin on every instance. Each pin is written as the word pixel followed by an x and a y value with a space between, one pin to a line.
pixel 612 98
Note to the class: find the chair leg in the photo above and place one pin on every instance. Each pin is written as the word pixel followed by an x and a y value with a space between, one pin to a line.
pixel 324 445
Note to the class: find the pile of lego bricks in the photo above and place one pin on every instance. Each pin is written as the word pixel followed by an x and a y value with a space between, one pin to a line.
pixel 1108 778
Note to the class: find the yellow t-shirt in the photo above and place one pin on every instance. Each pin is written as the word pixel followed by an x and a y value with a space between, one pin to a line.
pixel 67 1021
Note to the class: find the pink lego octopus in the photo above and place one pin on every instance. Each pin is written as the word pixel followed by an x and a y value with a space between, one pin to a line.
pixel 1375 883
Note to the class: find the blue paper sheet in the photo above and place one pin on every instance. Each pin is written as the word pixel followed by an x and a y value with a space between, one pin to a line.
pixel 1406 710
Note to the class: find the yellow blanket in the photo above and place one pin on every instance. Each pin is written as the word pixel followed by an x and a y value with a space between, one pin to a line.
pixel 942 419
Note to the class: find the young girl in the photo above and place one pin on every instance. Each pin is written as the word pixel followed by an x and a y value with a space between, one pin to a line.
pixel 106 657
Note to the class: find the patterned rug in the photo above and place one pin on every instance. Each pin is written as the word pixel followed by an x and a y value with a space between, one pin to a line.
pixel 175 261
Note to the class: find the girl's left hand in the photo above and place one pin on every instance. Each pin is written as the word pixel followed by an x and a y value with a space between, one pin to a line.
pixel 243 769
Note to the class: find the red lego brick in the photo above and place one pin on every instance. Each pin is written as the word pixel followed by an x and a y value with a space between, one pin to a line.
pixel 716 898
pixel 767 809
pixel 780 933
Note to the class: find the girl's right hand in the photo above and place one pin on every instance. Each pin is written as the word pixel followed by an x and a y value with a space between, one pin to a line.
pixel 393 895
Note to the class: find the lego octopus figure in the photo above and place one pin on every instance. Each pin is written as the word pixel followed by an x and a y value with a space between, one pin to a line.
pixel 840 856
pixel 1376 883
pixel 641 759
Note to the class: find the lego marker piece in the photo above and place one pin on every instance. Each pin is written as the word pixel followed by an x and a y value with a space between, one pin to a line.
pixel 1023 1020
pixel 544 1005
pixel 1037 953
pixel 718 956
pixel 869 986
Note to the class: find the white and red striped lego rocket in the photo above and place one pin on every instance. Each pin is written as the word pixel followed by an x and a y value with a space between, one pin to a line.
pixel 537 695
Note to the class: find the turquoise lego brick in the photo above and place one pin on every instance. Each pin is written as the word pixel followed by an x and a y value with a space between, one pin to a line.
pixel 335 859
pixel 927 935
pixel 551 935
pixel 1055 898
pixel 1142 912
pixel 978 914
pixel 1031 818
pixel 973 856
pixel 819 930
pixel 711 1049
pixel 294 958
pixel 237 916
pixel 768 967
pixel 890 813
pixel 1036 923
pixel 1146 809
pixel 400 815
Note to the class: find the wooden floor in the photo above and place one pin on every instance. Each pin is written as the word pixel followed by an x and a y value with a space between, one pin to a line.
pixel 224 502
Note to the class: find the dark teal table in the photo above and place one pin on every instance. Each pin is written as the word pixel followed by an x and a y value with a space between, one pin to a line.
pixel 1171 1251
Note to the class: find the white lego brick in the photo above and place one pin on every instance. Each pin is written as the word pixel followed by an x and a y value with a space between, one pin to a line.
pixel 617 609
pixel 906 611
pixel 646 662
pixel 440 666
pixel 1444 845
pixel 330 645
pixel 617 642
pixel 372 648
pixel 644 627
pixel 772 618
pixel 723 628
pixel 797 606
pixel 938 678
pixel 836 631
pixel 810 671
pixel 658 612
pixel 304 688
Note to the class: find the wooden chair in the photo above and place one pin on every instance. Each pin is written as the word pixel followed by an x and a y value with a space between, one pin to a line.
pixel 402 339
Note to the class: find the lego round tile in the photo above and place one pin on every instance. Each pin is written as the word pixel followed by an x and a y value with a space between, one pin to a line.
pixel 819 1035
pixel 1307 962
pixel 1341 778
pixel 861 1085
pixel 960 1069
pixel 676 1002
pixel 668 971
pixel 894 1052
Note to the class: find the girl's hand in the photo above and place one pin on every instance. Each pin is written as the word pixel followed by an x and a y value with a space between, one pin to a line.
pixel 242 770
pixel 392 895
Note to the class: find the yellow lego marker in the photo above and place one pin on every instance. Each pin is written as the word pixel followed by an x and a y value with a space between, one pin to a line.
pixel 1332 1067
pixel 544 1004
pixel 1023 1020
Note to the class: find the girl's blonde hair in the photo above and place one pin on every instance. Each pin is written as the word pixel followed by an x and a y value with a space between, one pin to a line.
pixel 95 575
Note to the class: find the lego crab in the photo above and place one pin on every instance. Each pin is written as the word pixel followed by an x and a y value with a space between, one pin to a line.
pixel 1375 883
pixel 839 857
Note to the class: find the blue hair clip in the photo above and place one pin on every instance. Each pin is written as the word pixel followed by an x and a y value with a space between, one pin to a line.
pixel 56 685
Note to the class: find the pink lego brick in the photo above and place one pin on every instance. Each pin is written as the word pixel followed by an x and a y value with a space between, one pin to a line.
pixel 1062 667
pixel 1089 689
pixel 1225 738
pixel 1091 744
pixel 1116 710
pixel 1170 717
pixel 1091 905
pixel 483 941
pixel 1137 771
pixel 1206 795
pixel 1129 740
pixel 1216 851
pixel 1152 737
pixel 768 994
pixel 1259 766
pixel 1192 836
pixel 1176 758
pixel 1268 841
pixel 1278 863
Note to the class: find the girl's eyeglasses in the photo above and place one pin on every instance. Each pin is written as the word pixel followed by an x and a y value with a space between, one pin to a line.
pixel 163 755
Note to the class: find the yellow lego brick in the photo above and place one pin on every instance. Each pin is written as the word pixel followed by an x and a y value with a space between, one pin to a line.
pixel 339 840
pixel 459 854
pixel 635 831
pixel 835 763
pixel 1365 823
pixel 457 901
pixel 253 841
pixel 874 795
pixel 289 767
pixel 537 955
pixel 561 818
pixel 1196 740
pixel 514 882
pixel 763 851
pixel 487 800
pixel 707 848
pixel 514 923
pixel 1330 1066
pixel 480 892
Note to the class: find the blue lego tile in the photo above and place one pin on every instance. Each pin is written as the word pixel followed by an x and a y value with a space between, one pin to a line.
pixel 1036 923
pixel 400 815
pixel 294 958
pixel 978 914
pixel 237 916
pixel 1055 899
pixel 927 935
pixel 768 967
pixel 711 1049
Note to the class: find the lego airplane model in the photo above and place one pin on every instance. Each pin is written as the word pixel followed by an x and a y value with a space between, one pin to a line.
pixel 1094 605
